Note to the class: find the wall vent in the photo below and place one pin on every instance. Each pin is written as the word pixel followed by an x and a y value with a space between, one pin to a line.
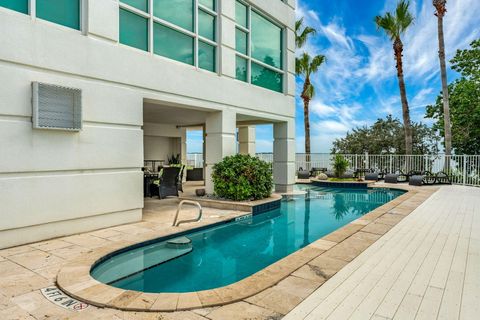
pixel 56 107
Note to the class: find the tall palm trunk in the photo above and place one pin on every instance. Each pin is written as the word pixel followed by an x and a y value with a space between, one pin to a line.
pixel 306 115
pixel 398 49
pixel 441 10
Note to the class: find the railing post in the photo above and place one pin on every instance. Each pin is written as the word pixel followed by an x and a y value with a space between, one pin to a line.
pixel 464 169
pixel 367 160
pixel 391 159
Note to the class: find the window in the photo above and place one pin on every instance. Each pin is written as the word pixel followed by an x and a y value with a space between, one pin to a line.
pixel 63 12
pixel 133 30
pixel 17 5
pixel 56 107
pixel 259 46
pixel 174 34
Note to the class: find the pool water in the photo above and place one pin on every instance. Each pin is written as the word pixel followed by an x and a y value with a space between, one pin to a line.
pixel 230 252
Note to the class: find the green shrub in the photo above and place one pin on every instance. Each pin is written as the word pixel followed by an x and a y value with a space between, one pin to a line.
pixel 340 165
pixel 242 177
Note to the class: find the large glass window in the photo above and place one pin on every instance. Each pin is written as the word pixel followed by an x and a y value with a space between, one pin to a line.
pixel 139 4
pixel 17 5
pixel 206 25
pixel 266 77
pixel 210 4
pixel 259 46
pixel 133 30
pixel 178 12
pixel 266 40
pixel 172 44
pixel 64 12
pixel 206 56
pixel 174 35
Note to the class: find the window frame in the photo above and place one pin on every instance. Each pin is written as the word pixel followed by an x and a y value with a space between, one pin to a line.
pixel 249 57
pixel 194 34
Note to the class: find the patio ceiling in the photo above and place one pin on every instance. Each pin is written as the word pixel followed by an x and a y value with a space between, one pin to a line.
pixel 180 116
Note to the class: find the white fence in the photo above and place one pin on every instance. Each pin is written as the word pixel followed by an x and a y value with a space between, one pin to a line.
pixel 464 169
pixel 195 160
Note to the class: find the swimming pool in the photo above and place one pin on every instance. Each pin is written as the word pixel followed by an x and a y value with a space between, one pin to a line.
pixel 226 253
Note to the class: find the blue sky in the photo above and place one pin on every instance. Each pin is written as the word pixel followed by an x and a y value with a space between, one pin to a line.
pixel 358 83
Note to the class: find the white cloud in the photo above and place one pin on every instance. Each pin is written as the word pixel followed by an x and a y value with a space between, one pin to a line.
pixel 359 62
pixel 322 110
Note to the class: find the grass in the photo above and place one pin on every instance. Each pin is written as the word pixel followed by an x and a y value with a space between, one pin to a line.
pixel 342 179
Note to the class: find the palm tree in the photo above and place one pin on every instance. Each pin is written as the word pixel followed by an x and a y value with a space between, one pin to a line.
pixel 306 66
pixel 301 36
pixel 440 7
pixel 394 26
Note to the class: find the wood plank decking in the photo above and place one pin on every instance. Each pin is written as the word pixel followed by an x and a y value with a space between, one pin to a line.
pixel 426 267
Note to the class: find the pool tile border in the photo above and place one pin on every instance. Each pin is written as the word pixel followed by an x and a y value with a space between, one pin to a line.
pixel 316 262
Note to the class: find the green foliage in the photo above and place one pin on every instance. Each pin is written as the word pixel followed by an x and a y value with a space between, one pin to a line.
pixel 174 159
pixel 464 98
pixel 340 165
pixel 302 33
pixel 397 23
pixel 242 177
pixel 385 136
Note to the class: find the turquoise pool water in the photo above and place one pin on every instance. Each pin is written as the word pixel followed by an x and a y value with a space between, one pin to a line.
pixel 227 253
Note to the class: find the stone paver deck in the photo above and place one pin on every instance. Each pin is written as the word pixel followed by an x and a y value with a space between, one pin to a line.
pixel 26 269
pixel 426 267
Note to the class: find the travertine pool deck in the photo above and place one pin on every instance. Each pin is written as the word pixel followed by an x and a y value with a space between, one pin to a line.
pixel 270 295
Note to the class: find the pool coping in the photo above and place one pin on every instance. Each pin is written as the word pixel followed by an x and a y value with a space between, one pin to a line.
pixel 75 279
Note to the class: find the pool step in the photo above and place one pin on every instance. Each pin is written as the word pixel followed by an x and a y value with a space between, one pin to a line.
pixel 179 243
pixel 137 260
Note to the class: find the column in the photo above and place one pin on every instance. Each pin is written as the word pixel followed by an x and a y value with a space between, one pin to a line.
pixel 246 140
pixel 284 156
pixel 220 141
pixel 183 145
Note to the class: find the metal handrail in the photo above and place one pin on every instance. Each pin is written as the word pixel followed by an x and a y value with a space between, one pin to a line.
pixel 193 203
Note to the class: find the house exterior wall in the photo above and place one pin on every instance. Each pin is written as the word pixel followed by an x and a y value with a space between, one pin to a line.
pixel 54 183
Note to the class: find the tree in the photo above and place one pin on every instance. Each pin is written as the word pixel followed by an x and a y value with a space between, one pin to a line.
pixel 306 66
pixel 385 137
pixel 394 26
pixel 464 98
pixel 302 33
pixel 440 7
pixel 301 36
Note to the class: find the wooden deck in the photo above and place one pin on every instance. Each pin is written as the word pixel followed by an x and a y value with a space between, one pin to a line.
pixel 426 267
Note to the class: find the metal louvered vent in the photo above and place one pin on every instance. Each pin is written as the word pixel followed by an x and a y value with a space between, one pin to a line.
pixel 56 107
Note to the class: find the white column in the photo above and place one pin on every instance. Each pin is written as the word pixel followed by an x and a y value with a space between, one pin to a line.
pixel 284 156
pixel 220 141
pixel 246 140
pixel 183 145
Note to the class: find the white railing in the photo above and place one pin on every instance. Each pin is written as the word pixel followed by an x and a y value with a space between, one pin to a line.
pixel 464 169
pixel 195 160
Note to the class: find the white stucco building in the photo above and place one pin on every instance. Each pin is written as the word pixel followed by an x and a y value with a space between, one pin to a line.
pixel 92 88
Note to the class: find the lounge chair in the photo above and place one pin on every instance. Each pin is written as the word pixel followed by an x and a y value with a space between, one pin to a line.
pixel 415 180
pixel 303 174
pixel 391 178
pixel 371 176
pixel 169 182
pixel 443 178
pixel 419 178
pixel 401 176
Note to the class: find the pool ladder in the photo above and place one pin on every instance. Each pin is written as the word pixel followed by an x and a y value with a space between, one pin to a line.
pixel 176 223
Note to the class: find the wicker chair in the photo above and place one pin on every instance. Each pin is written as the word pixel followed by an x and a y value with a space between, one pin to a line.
pixel 169 182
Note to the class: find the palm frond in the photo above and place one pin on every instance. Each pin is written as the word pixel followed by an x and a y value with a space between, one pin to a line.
pixel 404 18
pixel 309 91
pixel 301 36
